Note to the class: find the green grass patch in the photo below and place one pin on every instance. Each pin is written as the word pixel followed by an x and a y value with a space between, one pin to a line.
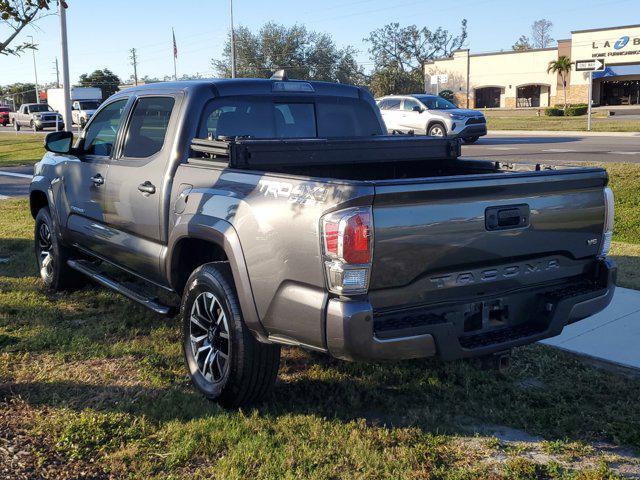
pixel 532 122
pixel 20 149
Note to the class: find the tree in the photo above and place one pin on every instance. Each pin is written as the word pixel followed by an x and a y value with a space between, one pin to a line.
pixel 16 15
pixel 522 44
pixel 399 53
pixel 540 33
pixel 105 79
pixel 304 54
pixel 561 66
pixel 19 93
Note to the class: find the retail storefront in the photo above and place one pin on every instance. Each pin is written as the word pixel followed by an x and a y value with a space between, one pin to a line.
pixel 520 79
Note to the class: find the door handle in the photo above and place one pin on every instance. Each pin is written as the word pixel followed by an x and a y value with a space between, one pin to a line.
pixel 147 187
pixel 97 180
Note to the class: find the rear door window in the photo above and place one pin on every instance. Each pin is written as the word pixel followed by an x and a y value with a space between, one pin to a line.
pixel 148 127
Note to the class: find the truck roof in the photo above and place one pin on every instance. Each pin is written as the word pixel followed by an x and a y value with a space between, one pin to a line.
pixel 249 86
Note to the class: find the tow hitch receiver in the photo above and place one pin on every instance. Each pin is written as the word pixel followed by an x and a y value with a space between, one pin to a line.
pixel 498 361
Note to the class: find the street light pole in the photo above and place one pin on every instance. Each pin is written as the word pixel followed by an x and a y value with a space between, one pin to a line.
pixel 35 70
pixel 233 43
pixel 66 113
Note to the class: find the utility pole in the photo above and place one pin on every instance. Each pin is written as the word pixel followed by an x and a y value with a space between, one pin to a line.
pixel 57 73
pixel 35 70
pixel 66 113
pixel 233 43
pixel 134 62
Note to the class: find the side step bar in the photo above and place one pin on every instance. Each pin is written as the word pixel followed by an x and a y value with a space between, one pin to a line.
pixel 104 280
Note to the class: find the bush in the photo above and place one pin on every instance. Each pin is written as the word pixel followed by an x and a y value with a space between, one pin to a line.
pixel 576 110
pixel 553 112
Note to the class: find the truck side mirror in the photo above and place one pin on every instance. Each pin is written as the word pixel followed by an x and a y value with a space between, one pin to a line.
pixel 417 108
pixel 58 142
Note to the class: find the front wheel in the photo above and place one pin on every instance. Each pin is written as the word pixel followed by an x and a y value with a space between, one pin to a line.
pixel 52 256
pixel 470 139
pixel 437 130
pixel 225 362
pixel 16 126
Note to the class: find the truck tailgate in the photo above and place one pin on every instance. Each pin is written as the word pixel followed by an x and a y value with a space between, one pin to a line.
pixel 439 239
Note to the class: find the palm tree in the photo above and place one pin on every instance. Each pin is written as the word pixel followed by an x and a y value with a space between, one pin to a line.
pixel 561 66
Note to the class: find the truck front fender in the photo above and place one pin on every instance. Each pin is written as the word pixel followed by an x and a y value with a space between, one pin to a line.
pixel 222 233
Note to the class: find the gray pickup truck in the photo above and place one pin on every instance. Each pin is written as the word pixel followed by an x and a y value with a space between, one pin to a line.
pixel 278 212
pixel 36 116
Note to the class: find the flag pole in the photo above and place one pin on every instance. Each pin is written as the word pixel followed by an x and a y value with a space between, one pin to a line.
pixel 175 55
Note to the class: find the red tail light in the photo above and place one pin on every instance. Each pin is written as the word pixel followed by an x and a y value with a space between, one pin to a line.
pixel 348 249
pixel 355 243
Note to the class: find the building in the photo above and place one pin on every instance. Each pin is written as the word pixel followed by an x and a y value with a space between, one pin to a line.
pixel 519 79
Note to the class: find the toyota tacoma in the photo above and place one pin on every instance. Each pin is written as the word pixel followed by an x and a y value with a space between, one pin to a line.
pixel 272 212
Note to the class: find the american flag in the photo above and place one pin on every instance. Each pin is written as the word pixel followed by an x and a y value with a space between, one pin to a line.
pixel 175 46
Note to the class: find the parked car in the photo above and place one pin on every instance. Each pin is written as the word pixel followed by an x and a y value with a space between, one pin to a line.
pixel 431 115
pixel 279 212
pixel 4 116
pixel 36 116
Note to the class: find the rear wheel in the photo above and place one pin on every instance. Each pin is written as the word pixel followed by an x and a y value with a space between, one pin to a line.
pixel 437 130
pixel 470 139
pixel 225 362
pixel 52 256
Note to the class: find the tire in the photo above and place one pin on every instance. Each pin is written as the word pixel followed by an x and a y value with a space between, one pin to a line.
pixel 470 139
pixel 52 257
pixel 437 130
pixel 250 369
pixel 16 126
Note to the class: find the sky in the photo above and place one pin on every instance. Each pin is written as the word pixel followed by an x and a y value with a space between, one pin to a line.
pixel 101 33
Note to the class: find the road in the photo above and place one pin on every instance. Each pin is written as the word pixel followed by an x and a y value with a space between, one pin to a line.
pixel 530 148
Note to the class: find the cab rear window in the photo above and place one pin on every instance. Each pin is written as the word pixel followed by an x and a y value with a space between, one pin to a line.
pixel 270 117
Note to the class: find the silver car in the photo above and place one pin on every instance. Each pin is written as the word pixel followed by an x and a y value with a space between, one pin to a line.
pixel 431 115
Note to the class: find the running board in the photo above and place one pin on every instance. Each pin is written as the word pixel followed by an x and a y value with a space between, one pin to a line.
pixel 106 281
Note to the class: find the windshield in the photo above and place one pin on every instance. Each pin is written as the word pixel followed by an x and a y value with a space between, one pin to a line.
pixel 40 108
pixel 435 103
pixel 268 117
pixel 4 109
pixel 89 105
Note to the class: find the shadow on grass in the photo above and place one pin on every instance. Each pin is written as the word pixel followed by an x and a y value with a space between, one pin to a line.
pixel 579 404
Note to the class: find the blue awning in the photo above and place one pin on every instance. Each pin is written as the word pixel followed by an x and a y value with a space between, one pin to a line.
pixel 618 71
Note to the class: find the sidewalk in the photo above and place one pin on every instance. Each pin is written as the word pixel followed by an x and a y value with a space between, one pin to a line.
pixel 561 133
pixel 612 335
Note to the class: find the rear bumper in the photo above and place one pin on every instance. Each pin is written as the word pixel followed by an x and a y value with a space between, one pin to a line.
pixel 355 332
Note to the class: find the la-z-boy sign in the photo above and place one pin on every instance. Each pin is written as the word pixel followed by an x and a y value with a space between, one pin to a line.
pixel 625 45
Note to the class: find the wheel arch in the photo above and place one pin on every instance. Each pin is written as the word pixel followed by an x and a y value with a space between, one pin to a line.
pixel 37 200
pixel 435 121
pixel 197 233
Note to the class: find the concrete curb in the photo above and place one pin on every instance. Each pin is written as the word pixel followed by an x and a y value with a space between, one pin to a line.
pixel 552 133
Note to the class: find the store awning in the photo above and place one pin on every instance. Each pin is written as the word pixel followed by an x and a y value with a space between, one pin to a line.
pixel 618 71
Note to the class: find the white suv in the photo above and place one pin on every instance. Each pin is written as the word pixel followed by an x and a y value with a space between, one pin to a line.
pixel 431 115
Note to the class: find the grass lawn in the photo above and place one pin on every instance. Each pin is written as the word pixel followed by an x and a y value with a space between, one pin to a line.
pixel 496 122
pixel 93 386
pixel 22 149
